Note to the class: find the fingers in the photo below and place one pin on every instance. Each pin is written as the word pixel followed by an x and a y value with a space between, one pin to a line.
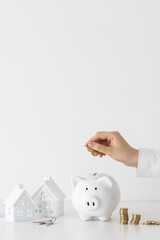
pixel 99 147
pixel 99 136
pixel 101 155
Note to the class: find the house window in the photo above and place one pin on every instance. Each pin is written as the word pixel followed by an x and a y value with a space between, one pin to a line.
pixel 19 213
pixel 24 202
pixel 43 197
pixel 40 208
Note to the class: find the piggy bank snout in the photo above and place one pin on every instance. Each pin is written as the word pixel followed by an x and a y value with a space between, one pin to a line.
pixel 91 203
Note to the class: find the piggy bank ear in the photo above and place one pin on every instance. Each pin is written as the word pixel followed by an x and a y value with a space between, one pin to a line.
pixel 106 180
pixel 75 180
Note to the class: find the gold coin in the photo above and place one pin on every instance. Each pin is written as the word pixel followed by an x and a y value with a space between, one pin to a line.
pixel 137 216
pixel 89 149
pixel 134 222
pixel 95 153
pixel 123 210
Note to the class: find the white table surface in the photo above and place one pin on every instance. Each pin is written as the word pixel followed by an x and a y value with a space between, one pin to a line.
pixel 70 226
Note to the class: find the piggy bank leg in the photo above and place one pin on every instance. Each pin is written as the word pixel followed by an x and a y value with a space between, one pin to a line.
pixel 84 218
pixel 104 218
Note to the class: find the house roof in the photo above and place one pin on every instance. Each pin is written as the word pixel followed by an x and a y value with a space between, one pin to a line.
pixel 52 187
pixel 16 194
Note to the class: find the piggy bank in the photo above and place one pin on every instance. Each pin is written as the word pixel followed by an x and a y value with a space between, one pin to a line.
pixel 96 196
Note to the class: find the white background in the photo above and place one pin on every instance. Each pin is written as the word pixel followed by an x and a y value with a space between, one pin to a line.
pixel 67 70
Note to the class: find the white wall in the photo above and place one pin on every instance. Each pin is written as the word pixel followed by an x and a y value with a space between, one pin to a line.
pixel 68 69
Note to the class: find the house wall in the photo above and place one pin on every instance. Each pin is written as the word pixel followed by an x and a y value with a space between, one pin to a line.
pixel 9 213
pixel 24 209
pixel 60 207
pixel 46 205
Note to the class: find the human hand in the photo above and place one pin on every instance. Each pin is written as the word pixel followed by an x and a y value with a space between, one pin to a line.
pixel 115 146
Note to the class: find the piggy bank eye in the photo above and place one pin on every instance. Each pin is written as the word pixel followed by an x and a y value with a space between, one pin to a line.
pixel 86 188
pixel 95 188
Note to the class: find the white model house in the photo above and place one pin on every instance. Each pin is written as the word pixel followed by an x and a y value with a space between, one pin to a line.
pixel 19 206
pixel 49 199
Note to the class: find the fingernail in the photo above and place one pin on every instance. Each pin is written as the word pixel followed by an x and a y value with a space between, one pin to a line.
pixel 91 144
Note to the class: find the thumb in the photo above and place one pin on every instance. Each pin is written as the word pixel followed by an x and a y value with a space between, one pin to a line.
pixel 99 147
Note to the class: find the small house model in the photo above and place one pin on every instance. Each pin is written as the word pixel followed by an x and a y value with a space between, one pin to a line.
pixel 49 199
pixel 19 206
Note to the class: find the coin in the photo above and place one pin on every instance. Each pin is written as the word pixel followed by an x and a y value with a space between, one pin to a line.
pixel 123 210
pixel 151 222
pixel 135 219
pixel 123 215
pixel 93 152
pixel 89 149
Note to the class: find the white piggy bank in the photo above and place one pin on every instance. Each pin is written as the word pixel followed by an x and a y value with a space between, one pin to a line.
pixel 95 196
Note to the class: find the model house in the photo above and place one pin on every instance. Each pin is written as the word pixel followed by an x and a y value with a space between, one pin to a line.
pixel 19 206
pixel 49 199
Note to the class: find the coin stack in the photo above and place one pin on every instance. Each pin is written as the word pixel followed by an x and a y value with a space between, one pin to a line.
pixel 151 222
pixel 135 219
pixel 123 215
pixel 94 152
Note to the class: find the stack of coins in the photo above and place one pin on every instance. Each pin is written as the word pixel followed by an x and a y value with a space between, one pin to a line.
pixel 94 152
pixel 150 222
pixel 123 215
pixel 135 219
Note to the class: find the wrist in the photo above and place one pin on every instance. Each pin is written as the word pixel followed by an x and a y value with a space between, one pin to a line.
pixel 132 158
pixel 135 157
